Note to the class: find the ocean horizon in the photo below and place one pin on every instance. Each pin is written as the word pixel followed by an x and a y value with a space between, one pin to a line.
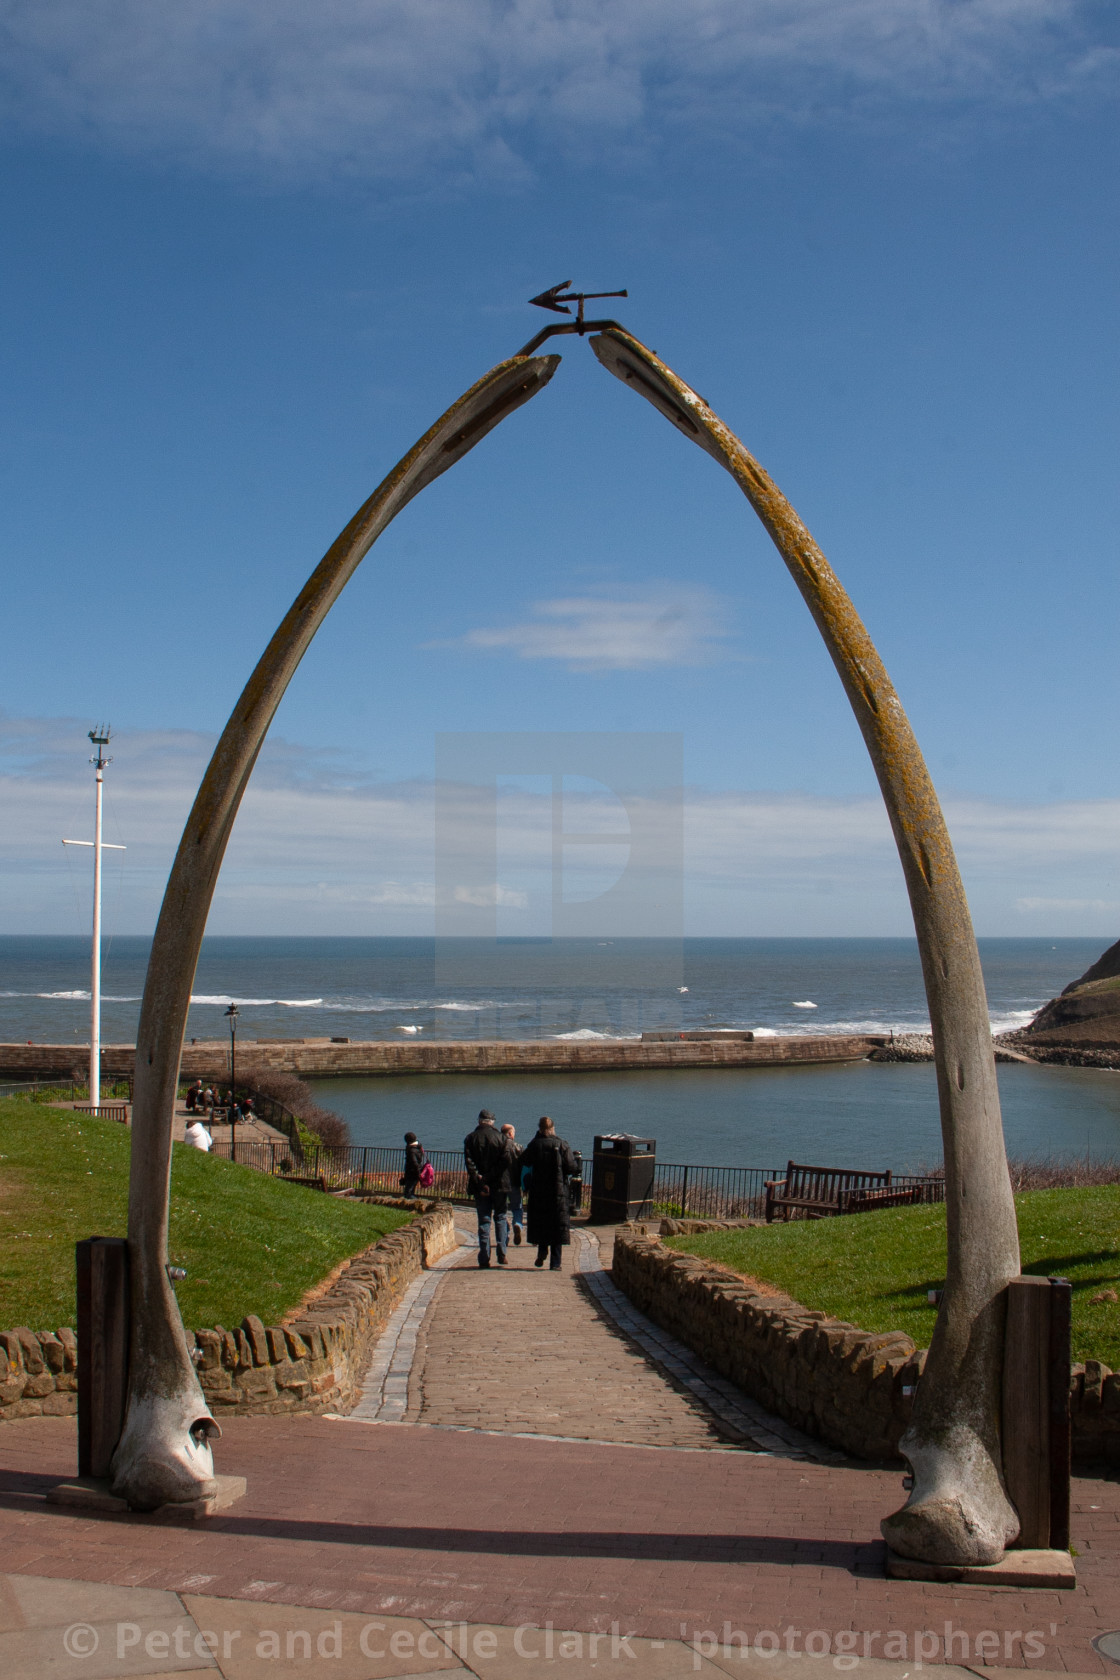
pixel 858 1114
pixel 395 988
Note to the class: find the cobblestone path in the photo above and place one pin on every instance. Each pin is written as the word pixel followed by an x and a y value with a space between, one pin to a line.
pixel 527 1352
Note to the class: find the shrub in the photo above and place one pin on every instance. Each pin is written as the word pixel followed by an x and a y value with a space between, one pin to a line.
pixel 287 1088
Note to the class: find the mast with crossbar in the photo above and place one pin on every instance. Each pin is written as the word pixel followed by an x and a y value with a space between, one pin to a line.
pixel 100 738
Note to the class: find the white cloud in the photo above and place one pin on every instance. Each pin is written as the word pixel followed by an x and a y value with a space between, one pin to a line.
pixel 409 894
pixel 394 87
pixel 506 898
pixel 665 626
pixel 1067 906
pixel 319 850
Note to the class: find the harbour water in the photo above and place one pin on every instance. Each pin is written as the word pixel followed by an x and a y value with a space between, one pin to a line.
pixel 866 1114
pixel 855 1114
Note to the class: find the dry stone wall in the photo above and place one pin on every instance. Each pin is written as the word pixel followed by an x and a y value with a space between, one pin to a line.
pixel 1095 1407
pixel 38 1373
pixel 841 1384
pixel 313 1362
pixel 832 1380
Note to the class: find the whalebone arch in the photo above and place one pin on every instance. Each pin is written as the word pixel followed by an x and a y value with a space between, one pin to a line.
pixel 958 1510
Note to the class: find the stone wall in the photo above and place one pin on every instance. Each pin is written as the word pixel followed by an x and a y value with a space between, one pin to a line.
pixel 313 1362
pixel 319 1058
pixel 38 1373
pixel 1095 1406
pixel 831 1379
pixel 841 1384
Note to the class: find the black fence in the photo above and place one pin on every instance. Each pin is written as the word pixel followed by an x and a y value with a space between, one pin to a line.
pixel 68 1090
pixel 679 1190
pixel 354 1167
pixel 682 1191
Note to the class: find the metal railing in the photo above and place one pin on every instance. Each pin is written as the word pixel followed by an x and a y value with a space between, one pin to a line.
pixel 67 1090
pixel 683 1191
pixel 680 1190
pixel 275 1114
pixel 359 1167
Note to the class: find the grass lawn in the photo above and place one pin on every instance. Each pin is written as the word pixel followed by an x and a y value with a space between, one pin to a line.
pixel 873 1269
pixel 250 1244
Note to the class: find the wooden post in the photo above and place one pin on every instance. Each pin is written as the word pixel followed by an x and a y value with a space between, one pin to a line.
pixel 1061 1303
pixel 1036 1426
pixel 103 1310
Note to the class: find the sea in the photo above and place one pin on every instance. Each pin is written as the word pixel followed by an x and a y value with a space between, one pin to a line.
pixel 867 1114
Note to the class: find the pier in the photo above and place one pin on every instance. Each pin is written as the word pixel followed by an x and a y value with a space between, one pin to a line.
pixel 320 1058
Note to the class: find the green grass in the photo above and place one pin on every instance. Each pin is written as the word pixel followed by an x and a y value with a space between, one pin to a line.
pixel 873 1269
pixel 250 1244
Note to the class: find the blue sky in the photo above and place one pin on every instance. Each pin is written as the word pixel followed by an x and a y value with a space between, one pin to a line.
pixel 252 251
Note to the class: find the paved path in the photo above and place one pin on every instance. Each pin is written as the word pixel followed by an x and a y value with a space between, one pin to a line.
pixel 457 1533
pixel 526 1351
pixel 522 1350
pixel 65 1629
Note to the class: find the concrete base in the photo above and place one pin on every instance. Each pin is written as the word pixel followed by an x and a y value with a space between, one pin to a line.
pixel 88 1493
pixel 1026 1568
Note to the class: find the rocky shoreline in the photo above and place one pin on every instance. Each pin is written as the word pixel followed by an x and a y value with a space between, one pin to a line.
pixel 1079 1028
pixel 1008 1047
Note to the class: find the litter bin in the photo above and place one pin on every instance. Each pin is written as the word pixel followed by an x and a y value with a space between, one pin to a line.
pixel 621 1177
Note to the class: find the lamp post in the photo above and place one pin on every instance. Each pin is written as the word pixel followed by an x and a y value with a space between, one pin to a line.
pixel 231 1017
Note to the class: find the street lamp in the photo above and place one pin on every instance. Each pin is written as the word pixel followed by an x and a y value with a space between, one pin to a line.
pixel 231 1017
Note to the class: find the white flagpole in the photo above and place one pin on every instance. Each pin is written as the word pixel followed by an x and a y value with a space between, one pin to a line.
pixel 100 741
pixel 95 970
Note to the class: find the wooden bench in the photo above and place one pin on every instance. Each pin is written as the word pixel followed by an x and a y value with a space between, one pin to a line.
pixel 104 1111
pixel 927 1191
pixel 816 1192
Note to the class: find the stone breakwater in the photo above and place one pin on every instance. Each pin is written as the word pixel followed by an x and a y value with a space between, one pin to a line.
pixel 849 1387
pixel 320 1058
pixel 313 1362
pixel 918 1047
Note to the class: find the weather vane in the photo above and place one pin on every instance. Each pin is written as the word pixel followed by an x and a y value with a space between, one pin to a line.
pixel 556 297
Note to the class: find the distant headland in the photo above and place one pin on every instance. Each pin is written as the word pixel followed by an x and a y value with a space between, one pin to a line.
pixel 1081 1026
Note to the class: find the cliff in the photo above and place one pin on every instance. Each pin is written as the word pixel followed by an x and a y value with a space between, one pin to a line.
pixel 1087 1013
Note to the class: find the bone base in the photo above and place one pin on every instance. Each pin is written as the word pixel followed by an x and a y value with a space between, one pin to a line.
pixel 91 1494
pixel 1027 1568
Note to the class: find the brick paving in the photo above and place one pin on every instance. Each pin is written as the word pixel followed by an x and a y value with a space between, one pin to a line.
pixel 525 1351
pixel 444 1524
pixel 477 1515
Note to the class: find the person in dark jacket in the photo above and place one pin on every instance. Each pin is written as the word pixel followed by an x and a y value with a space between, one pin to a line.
pixel 413 1163
pixel 491 1160
pixel 551 1163
pixel 516 1205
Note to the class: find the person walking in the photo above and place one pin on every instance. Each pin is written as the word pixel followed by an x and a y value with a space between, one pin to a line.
pixel 490 1160
pixel 551 1163
pixel 414 1159
pixel 516 1201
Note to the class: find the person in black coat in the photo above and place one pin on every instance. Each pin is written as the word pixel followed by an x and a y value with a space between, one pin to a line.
pixel 551 1164
pixel 413 1163
pixel 491 1159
